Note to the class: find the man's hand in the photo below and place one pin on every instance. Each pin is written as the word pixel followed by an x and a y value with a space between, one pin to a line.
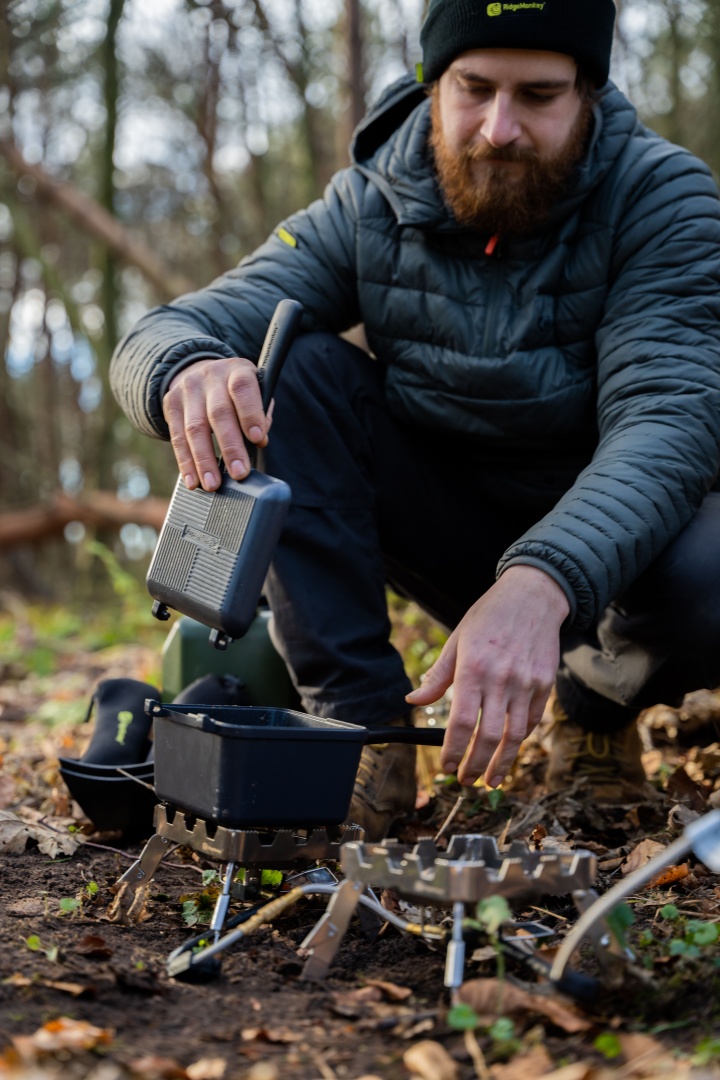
pixel 221 397
pixel 502 659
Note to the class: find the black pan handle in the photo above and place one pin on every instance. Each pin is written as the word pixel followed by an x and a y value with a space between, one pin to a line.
pixel 420 736
pixel 280 336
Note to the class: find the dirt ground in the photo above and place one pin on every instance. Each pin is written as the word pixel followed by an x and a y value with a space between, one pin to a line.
pixel 383 1009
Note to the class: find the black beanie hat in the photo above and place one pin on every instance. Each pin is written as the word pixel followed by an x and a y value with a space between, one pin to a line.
pixel 582 29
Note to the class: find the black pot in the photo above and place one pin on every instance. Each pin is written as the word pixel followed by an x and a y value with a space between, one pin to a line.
pixel 250 767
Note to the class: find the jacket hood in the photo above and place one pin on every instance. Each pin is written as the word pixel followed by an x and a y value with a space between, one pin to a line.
pixel 390 147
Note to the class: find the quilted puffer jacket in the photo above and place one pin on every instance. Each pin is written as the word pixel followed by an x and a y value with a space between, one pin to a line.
pixel 596 340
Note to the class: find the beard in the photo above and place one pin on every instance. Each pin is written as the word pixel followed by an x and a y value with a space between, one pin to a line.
pixel 480 194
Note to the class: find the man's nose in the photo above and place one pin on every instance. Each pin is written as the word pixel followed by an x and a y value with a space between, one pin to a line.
pixel 500 125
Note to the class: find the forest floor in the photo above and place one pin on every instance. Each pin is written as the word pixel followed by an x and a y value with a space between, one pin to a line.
pixel 84 997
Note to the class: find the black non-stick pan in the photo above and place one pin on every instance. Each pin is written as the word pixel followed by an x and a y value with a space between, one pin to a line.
pixel 249 767
pixel 215 547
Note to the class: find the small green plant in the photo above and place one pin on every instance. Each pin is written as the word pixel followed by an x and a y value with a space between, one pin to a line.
pixel 620 920
pixel 495 798
pixel 34 944
pixel 191 912
pixel 505 1043
pixel 462 1017
pixel 490 914
pixel 608 1045
pixel 707 1052
pixel 69 905
pixel 687 938
pixel 92 888
pixel 209 877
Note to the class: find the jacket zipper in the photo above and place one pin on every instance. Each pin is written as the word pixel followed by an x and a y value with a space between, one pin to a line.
pixel 493 294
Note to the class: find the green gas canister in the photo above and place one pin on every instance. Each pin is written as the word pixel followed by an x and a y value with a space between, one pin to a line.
pixel 188 655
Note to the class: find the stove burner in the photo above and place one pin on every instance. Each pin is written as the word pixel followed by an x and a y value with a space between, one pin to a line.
pixel 471 869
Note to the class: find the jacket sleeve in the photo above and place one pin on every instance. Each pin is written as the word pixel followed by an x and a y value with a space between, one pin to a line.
pixel 311 258
pixel 658 350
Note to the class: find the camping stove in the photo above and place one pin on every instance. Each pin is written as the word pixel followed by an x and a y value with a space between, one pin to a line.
pixel 285 850
pixel 470 870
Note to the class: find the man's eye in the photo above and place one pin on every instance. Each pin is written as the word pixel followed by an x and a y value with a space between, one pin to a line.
pixel 475 90
pixel 538 98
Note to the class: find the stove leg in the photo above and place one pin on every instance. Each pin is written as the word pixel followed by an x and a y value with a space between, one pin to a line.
pixel 223 902
pixel 132 888
pixel 323 941
pixel 455 958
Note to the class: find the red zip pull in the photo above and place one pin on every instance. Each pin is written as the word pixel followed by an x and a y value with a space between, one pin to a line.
pixel 492 244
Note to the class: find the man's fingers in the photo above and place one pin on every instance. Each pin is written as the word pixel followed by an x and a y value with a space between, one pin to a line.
pixel 437 679
pixel 244 391
pixel 506 750
pixel 199 439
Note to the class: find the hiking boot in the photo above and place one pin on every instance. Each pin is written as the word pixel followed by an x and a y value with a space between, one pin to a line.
pixel 385 786
pixel 606 766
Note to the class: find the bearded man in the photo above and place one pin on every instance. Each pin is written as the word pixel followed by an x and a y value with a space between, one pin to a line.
pixel 528 450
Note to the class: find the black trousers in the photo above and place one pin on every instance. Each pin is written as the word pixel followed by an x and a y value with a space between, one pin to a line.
pixel 378 502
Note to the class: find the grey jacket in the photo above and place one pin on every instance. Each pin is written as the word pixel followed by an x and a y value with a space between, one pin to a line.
pixel 595 341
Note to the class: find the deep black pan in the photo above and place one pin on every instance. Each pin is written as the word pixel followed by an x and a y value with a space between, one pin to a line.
pixel 250 767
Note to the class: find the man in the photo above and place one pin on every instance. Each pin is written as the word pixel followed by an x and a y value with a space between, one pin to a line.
pixel 539 280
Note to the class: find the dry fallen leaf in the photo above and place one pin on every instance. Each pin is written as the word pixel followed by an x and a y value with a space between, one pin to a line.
pixel 392 991
pixel 491 998
pixel 353 1003
pixel 670 875
pixel 15 834
pixel 641 854
pixel 430 1061
pixel 151 1067
pixel 95 947
pixel 61 1034
pixel 8 791
pixel 271 1035
pixel 207 1069
pixel 579 1070
pixel 681 788
pixel 536 1063
pixel 21 981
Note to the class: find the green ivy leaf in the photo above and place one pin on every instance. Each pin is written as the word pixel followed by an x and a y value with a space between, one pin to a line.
pixel 669 912
pixel 33 942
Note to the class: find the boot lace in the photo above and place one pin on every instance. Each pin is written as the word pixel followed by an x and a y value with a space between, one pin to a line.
pixel 598 756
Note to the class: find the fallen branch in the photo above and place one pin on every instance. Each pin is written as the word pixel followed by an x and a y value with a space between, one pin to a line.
pixel 96 220
pixel 102 509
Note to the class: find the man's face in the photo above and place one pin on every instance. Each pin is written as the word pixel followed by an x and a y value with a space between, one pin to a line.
pixel 508 127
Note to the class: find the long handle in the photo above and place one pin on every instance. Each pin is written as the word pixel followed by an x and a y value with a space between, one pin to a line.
pixel 419 736
pixel 280 336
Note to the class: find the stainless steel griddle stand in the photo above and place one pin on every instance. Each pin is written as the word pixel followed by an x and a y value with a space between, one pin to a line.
pixel 279 849
pixel 470 870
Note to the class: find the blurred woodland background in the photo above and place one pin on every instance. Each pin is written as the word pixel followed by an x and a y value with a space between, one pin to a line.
pixel 144 149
